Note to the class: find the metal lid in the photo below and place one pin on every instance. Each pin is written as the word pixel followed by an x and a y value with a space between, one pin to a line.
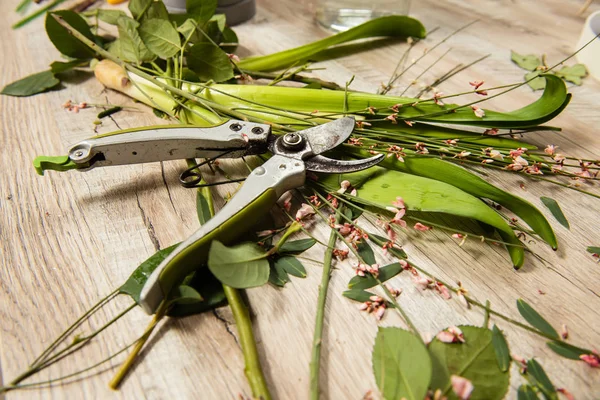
pixel 236 11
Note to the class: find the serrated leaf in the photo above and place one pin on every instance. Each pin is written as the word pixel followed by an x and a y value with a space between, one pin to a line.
pixel 538 83
pixel 31 84
pixel 535 319
pixel 64 42
pixel 160 37
pixel 209 62
pixel 277 275
pixel 201 10
pixel 527 392
pixel 133 285
pixel 297 246
pixel 366 252
pixel 385 273
pixel 593 249
pixel 542 381
pixel 242 266
pixel 474 360
pixel 530 62
pixel 358 295
pixel 131 46
pixel 291 265
pixel 380 241
pixel 555 210
pixel 567 350
pixel 573 74
pixel 501 348
pixel 401 364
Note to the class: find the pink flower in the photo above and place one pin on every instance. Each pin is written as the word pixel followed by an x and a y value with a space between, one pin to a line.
pixel 437 98
pixel 451 142
pixel 443 290
pixel 493 131
pixel 374 270
pixel 395 107
pixel 451 335
pixel 458 235
pixel 399 202
pixel 422 283
pixel 463 154
pixel 420 227
pixel 286 200
pixel 392 117
pixel 520 160
pixel 233 57
pixel 479 113
pixel 550 149
pixel 305 211
pixel 421 149
pixel 394 292
pixel 340 254
pixel 476 84
pixel 564 333
pixel 409 123
pixel 566 393
pixel 344 185
pixel 362 124
pixel 593 360
pixel 461 386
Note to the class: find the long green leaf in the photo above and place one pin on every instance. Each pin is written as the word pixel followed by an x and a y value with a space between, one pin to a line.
pixel 393 26
pixel 535 319
pixel 501 348
pixel 385 273
pixel 291 265
pixel 31 84
pixel 542 380
pixel 567 350
pixel 527 392
pixel 555 210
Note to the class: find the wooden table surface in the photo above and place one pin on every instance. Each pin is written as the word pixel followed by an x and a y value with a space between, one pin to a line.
pixel 69 239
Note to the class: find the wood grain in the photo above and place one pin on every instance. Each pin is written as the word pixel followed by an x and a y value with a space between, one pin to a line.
pixel 69 239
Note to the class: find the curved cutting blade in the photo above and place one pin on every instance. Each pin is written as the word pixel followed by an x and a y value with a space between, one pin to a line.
pixel 330 135
pixel 329 165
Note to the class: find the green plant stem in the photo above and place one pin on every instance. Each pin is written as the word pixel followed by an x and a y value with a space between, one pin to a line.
pixel 253 369
pixel 37 13
pixel 293 228
pixel 486 315
pixel 315 363
pixel 294 78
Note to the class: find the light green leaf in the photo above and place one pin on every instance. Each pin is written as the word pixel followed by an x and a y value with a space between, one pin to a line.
pixel 529 62
pixel 291 265
pixel 242 266
pixel 220 20
pixel 64 42
pixel 527 392
pixel 132 48
pixel 535 370
pixel 138 7
pixel 368 281
pixel 501 348
pixel 209 62
pixel 474 360
pixel 555 210
pixel 32 84
pixel 567 350
pixel 297 246
pixel 392 26
pixel 110 16
pixel 593 249
pixel 201 10
pixel 401 365
pixel 202 208
pixel 184 294
pixel 535 319
pixel 358 295
pixel 160 37
pixel 573 74
pixel 58 67
pixel 188 29
pixel 538 83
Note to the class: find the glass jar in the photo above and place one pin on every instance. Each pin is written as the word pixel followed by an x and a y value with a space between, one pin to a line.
pixel 340 15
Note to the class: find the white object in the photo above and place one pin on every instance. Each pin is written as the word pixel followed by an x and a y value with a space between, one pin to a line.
pixel 590 56
pixel 340 15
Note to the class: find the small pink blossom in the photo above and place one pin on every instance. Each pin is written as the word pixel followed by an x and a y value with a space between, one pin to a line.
pixel 479 113
pixel 362 124
pixel 451 334
pixel 593 360
pixel 476 84
pixel 355 141
pixel 458 235
pixel 314 200
pixel 564 333
pixel 462 154
pixel 233 58
pixel 393 291
pixel 443 290
pixel 344 185
pixel 305 211
pixel 361 270
pixel 372 110
pixel 566 393
pixel 550 149
pixel 437 98
pixel 492 131
pixel 421 149
pixel 340 254
pixel 422 283
pixel 514 167
pixel 420 227
pixel 374 270
pixel 461 386
pixel 392 117
pixel 286 201
pixel 395 107
pixel 451 142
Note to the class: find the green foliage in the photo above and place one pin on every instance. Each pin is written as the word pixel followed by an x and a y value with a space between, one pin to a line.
pixel 535 319
pixel 31 84
pixel 160 37
pixel 593 249
pixel 573 74
pixel 567 350
pixel 529 62
pixel 242 266
pixel 366 252
pixel 296 246
pixel 201 10
pixel 385 273
pixel 358 295
pixel 527 392
pixel 110 16
pixel 202 207
pixel 537 66
pixel 131 46
pixel 535 370
pixel 501 349
pixel 555 210
pixel 401 364
pixel 209 62
pixel 64 42
pixel 291 265
pixel 474 360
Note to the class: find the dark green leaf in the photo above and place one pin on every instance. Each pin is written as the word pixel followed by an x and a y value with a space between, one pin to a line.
pixel 209 62
pixel 593 249
pixel 535 319
pixel 501 349
pixel 109 112
pixel 110 16
pixel 136 281
pixel 32 84
pixel 538 83
pixel 543 382
pixel 58 67
pixel 380 241
pixel 529 62
pixel 358 295
pixel 242 266
pixel 64 42
pixel 220 20
pixel 230 40
pixel 313 85
pixel 401 364
pixel 160 37
pixel 291 265
pixel 555 210
pixel 201 10
pixel 573 74
pixel 211 290
pixel 385 273
pixel 202 208
pixel 278 276
pixel 132 48
pixel 366 252
pixel 527 392
pixel 474 360
pixel 297 246
pixel 184 294
pixel 567 350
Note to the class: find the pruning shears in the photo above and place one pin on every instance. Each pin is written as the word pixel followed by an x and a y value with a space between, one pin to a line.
pixel 294 154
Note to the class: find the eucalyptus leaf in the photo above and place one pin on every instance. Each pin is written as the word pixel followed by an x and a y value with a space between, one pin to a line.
pixel 474 360
pixel 567 350
pixel 201 10
pixel 535 319
pixel 366 252
pixel 135 282
pixel 358 295
pixel 131 46
pixel 401 364
pixel 535 370
pixel 555 210
pixel 529 62
pixel 291 265
pixel 209 62
pixel 574 73
pixel 160 37
pixel 60 37
pixel 242 266
pixel 385 273
pixel 501 348
pixel 297 246
pixel 527 392
pixel 31 84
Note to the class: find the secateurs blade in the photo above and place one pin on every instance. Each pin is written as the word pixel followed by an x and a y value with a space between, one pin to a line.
pixel 294 154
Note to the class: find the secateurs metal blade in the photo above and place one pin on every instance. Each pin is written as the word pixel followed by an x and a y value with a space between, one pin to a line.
pixel 294 154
